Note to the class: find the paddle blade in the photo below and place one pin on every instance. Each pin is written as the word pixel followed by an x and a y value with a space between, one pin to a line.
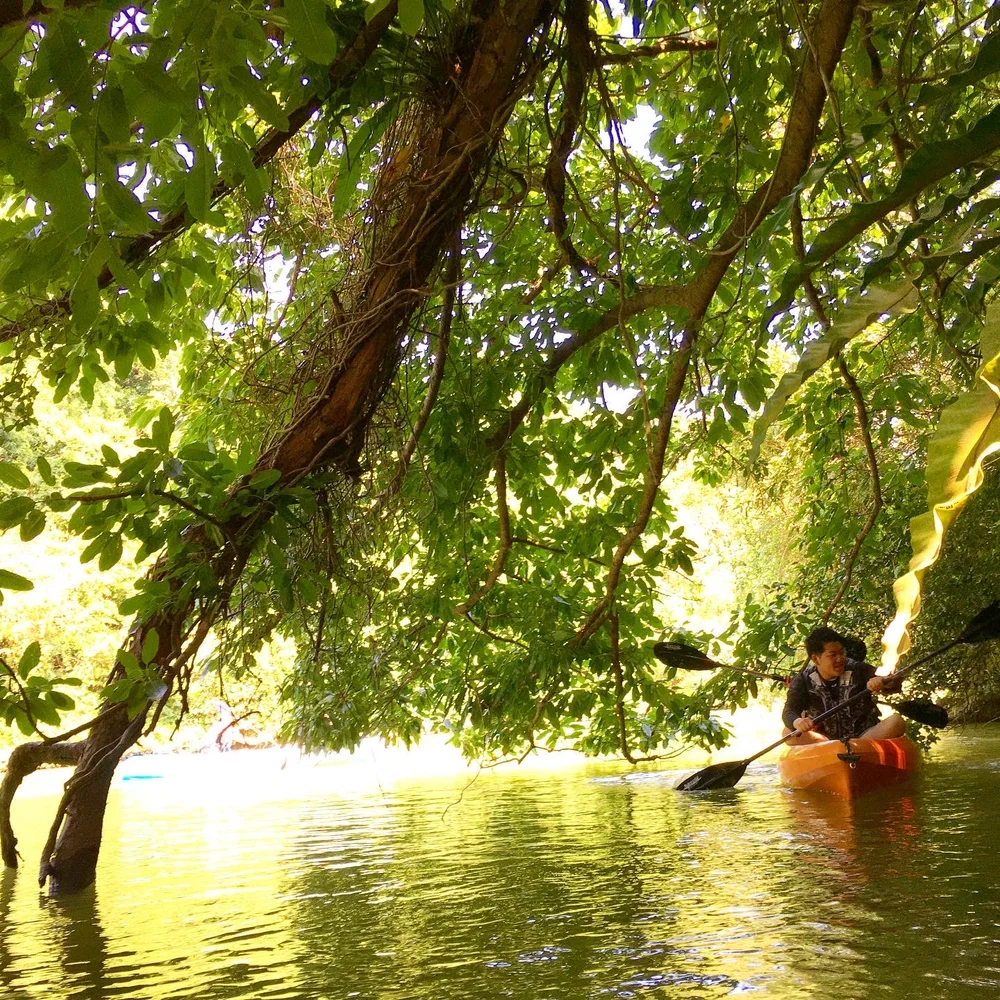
pixel 924 712
pixel 682 656
pixel 714 776
pixel 985 626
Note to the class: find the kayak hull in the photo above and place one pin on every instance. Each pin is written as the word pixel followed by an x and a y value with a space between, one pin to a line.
pixel 880 763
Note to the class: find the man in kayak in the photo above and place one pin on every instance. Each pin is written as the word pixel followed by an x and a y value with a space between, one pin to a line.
pixel 830 679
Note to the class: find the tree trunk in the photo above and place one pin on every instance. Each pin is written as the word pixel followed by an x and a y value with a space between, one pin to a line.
pixel 420 201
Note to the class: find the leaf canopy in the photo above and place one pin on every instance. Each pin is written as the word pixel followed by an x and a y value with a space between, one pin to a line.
pixel 450 289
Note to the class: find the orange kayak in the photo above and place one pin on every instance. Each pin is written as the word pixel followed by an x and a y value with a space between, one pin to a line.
pixel 878 763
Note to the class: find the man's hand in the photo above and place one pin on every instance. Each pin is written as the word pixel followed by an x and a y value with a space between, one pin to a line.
pixel 803 724
pixel 887 684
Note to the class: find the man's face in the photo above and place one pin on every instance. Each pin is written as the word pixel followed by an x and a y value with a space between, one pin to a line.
pixel 831 662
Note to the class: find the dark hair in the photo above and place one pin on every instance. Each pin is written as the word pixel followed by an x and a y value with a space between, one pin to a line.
pixel 817 639
pixel 855 649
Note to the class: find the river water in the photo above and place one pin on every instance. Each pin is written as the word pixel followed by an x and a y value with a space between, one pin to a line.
pixel 226 879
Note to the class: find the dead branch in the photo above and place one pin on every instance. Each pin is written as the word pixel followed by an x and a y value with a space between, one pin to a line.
pixel 25 759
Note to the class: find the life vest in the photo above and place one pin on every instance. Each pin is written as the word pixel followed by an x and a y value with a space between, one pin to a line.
pixel 852 721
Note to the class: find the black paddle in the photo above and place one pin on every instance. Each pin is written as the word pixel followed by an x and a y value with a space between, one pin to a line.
pixel 684 657
pixel 982 628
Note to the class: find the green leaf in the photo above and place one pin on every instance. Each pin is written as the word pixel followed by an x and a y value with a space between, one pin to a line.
pixel 23 722
pixel 111 551
pixel 133 669
pixel 118 690
pixel 162 430
pixel 150 646
pixel 11 475
pixel 264 480
pixel 197 451
pixel 125 207
pixel 43 710
pixel 137 700
pixel 62 701
pixel 198 182
pixel 85 296
pixel 29 660
pixel 411 15
pixel 238 166
pixel 307 26
pixel 14 581
pixel 853 318
pixel 260 98
pixel 93 549
pixel 113 116
pixel 45 470
pixel 14 510
pixel 32 525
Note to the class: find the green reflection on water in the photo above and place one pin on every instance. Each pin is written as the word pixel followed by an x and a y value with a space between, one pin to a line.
pixel 589 882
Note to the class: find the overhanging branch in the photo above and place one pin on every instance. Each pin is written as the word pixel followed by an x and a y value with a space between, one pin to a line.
pixel 342 74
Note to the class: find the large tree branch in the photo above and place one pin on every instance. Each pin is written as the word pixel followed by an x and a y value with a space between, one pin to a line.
pixel 829 33
pixel 443 164
pixel 830 30
pixel 833 22
pixel 579 62
pixel 671 43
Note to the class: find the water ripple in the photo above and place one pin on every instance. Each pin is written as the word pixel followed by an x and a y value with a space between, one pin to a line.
pixel 594 882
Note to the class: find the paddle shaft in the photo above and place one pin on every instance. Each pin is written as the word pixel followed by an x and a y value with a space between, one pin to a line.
pixel 859 695
pixel 752 673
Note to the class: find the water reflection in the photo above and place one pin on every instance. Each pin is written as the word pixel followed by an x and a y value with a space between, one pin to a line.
pixel 78 938
pixel 587 883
